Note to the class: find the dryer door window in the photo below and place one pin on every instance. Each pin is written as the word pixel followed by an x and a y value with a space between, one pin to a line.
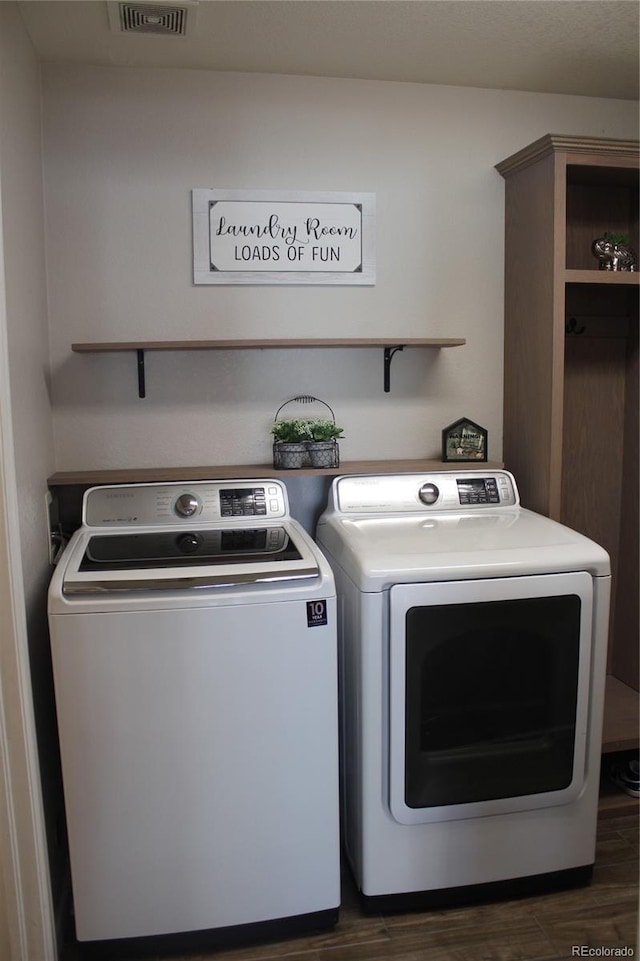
pixel 488 695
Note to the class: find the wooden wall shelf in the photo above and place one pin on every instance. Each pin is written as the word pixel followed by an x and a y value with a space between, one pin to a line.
pixel 166 475
pixel 266 344
pixel 390 346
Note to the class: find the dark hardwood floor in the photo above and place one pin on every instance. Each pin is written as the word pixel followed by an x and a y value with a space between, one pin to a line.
pixel 552 927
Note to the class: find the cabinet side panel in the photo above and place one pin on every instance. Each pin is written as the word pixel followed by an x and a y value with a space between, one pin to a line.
pixel 624 643
pixel 528 357
pixel 593 443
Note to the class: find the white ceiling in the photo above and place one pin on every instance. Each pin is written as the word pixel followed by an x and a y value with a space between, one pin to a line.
pixel 583 47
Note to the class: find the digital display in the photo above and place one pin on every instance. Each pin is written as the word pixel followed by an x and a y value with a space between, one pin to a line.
pixel 242 502
pixel 478 490
pixel 476 485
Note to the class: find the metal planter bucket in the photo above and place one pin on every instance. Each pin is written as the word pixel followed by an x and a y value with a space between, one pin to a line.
pixel 324 453
pixel 289 456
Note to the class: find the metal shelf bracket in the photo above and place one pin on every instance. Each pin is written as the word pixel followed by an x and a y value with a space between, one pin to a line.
pixel 388 355
pixel 141 384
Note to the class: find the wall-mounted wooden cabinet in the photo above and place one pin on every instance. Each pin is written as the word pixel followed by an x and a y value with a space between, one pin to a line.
pixel 571 367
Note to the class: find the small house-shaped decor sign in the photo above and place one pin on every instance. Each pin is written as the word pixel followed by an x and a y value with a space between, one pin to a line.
pixel 464 441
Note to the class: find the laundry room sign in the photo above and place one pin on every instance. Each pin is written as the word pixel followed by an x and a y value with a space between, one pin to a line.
pixel 283 237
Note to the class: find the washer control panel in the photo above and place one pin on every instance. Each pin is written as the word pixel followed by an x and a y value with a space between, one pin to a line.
pixel 481 490
pixel 138 505
pixel 411 493
pixel 243 502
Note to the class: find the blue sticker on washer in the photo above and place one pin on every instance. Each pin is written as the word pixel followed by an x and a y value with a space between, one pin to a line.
pixel 316 613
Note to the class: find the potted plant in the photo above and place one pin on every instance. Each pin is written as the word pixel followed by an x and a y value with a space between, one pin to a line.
pixel 323 446
pixel 305 442
pixel 290 443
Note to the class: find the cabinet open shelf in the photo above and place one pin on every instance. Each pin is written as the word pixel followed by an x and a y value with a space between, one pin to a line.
pixel 619 733
pixel 613 802
pixel 621 718
pixel 389 345
pixel 613 278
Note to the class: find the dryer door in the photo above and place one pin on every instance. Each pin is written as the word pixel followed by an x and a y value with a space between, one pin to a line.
pixel 488 695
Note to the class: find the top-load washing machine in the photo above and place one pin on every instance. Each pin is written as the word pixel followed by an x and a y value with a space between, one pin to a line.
pixel 472 637
pixel 193 635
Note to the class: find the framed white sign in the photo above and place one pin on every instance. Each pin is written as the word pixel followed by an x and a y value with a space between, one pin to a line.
pixel 283 237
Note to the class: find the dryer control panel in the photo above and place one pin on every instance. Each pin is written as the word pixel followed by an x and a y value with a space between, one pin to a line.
pixel 483 490
pixel 139 505
pixel 415 493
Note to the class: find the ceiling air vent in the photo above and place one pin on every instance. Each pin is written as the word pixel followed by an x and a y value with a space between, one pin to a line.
pixel 160 19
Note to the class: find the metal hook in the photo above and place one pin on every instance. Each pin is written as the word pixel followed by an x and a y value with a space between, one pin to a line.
pixel 572 328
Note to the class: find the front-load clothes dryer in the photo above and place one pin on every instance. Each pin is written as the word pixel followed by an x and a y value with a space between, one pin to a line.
pixel 472 638
pixel 193 635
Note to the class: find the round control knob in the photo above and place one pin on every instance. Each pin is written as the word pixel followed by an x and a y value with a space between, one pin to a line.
pixel 186 505
pixel 188 543
pixel 428 493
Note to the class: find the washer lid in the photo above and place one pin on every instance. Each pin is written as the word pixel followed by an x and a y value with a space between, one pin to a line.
pixel 378 551
pixel 179 559
pixel 188 548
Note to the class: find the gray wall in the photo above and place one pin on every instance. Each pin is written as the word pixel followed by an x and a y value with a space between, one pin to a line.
pixel 124 148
